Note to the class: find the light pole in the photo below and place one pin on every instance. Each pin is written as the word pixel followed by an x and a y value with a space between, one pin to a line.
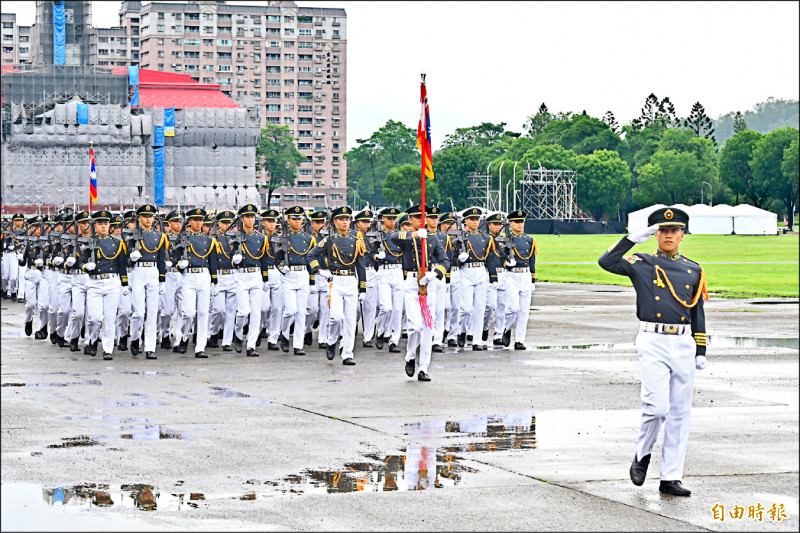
pixel 710 194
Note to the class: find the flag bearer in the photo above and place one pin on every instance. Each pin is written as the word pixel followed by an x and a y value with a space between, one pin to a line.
pixel 369 308
pixel 318 308
pixel 520 281
pixel 148 278
pixel 671 342
pixel 80 280
pixel 390 284
pixel 108 276
pixel 344 253
pixel 296 280
pixel 224 315
pixel 172 284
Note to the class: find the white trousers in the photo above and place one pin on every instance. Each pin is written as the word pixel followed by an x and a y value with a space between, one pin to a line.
pixel 125 310
pixel 145 302
pixel 249 297
pixel 474 286
pixel 390 303
pixel 318 308
pixel 295 287
pixel 419 335
pixel 438 294
pixel 10 272
pixel 35 292
pixel 667 366
pixel 167 304
pixel 495 306
pixel 196 293
pixel 102 298
pixel 517 303
pixel 452 312
pixel 21 271
pixel 52 305
pixel 370 304
pixel 223 315
pixel 344 301
pixel 272 306
pixel 64 303
pixel 78 313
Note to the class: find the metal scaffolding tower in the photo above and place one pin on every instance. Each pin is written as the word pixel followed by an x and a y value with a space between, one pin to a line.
pixel 479 191
pixel 549 194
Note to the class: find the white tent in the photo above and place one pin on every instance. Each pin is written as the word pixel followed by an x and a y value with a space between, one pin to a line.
pixel 720 219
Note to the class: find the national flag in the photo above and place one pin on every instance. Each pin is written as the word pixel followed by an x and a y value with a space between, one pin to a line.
pixel 424 134
pixel 92 180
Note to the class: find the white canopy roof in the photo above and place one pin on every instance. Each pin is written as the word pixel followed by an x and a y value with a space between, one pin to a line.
pixel 720 219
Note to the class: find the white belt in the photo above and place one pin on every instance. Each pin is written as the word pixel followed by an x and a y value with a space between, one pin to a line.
pixel 298 268
pixel 473 265
pixel 145 264
pixel 389 267
pixel 225 271
pixel 103 276
pixel 196 270
pixel 454 269
pixel 520 269
pixel 666 329
pixel 249 269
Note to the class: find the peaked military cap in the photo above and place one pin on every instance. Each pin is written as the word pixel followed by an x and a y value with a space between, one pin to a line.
pixel 270 214
pixel 18 216
pixel 83 216
pixel 496 217
pixel 390 212
pixel 668 217
pixel 414 210
pixel 196 213
pixel 517 215
pixel 225 216
pixel 365 215
pixel 129 215
pixel 473 212
pixel 295 211
pixel 67 218
pixel 35 220
pixel 343 211
pixel 57 218
pixel 116 220
pixel 448 217
pixel 208 219
pixel 433 211
pixel 173 216
pixel 404 219
pixel 43 218
pixel 100 216
pixel 317 216
pixel 147 209
pixel 249 209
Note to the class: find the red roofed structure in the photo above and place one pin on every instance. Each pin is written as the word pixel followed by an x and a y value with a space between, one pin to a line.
pixel 168 89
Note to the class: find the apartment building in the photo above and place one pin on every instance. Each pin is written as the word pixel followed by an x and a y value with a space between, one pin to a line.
pixel 16 41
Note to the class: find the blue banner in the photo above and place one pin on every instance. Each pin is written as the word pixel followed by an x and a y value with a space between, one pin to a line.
pixel 59 36
pixel 158 175
pixel 169 122
pixel 133 85
pixel 158 135
pixel 83 113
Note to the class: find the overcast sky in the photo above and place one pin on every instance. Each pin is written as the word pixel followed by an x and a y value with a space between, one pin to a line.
pixel 498 61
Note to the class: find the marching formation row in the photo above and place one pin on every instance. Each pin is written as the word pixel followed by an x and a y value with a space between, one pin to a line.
pixel 231 279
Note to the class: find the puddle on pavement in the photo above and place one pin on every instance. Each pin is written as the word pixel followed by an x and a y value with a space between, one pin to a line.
pixel 40 384
pixel 12 334
pixel 720 341
pixel 75 442
pixel 153 432
pixel 227 393
pixel 141 403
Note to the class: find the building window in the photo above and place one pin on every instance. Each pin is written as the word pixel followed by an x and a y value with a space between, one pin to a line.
pixel 288 107
pixel 273 18
pixel 224 42
pixel 273 107
pixel 102 39
pixel 305 32
pixel 273 94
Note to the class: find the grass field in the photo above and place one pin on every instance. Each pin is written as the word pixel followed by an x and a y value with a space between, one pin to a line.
pixel 727 280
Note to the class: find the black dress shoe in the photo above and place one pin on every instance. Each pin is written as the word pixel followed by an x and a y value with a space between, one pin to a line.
pixel 237 344
pixel 349 361
pixel 485 335
pixel 323 345
pixel 246 328
pixel 135 347
pixel 519 346
pixel 274 347
pixel 367 344
pixel 477 348
pixel 41 334
pixel 379 342
pixel 315 325
pixel 410 368
pixel 150 355
pixel 227 348
pixel 258 341
pixel 165 343
pixel 497 342
pixel 251 352
pixel 393 348
pixel 308 340
pixel 83 332
pixel 330 351
pixel 123 343
pixel 29 328
pixel 444 336
pixel 469 338
pixel 263 334
pixel 92 348
pixel 461 339
pixel 404 335
pixel 177 348
pixel 201 355
pixel 20 300
pixel 213 341
pixel 451 343
pixel 422 376
pixel 673 487
pixel 507 337
pixel 284 343
pixel 437 348
pixel 183 346
pixel 299 351
pixel 73 345
pixel 53 338
pixel 638 470
pixel 291 329
pixel 62 342
pixel 107 356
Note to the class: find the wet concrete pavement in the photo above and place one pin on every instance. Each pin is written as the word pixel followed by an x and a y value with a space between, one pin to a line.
pixel 499 440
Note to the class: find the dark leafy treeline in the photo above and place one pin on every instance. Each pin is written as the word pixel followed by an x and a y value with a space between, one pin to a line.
pixel 658 157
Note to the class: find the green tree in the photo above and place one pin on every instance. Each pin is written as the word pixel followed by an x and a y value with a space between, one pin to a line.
pixel 739 124
pixel 767 168
pixel 700 123
pixel 657 113
pixel 735 170
pixel 404 183
pixel 486 134
pixel 671 177
pixel 277 155
pixel 791 174
pixel 609 119
pixel 550 156
pixel 580 133
pixel 535 123
pixel 765 117
pixel 602 180
pixel 452 167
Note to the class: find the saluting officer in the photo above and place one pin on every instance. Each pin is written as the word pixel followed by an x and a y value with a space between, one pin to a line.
pixel 251 278
pixel 172 284
pixel 318 308
pixel 29 258
pixel 107 273
pixel 80 279
pixel 453 282
pixel 436 263
pixel 438 285
pixel 520 281
pixel 671 343
pixel 344 253
pixel 149 258
pixel 224 303
pixel 199 284
pixel 390 284
pixel 272 303
pixel 369 308
pixel 296 280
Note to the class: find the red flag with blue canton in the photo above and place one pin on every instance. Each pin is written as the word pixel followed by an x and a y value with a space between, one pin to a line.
pixel 92 180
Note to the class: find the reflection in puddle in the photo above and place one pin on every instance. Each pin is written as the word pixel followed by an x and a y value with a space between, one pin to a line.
pixel 153 432
pixel 227 393
pixel 721 341
pixel 39 384
pixel 74 442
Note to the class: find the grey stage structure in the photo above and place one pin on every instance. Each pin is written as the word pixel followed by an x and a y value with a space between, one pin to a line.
pixel 479 191
pixel 549 194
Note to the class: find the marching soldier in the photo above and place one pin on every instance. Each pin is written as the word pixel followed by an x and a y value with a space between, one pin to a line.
pixel 64 284
pixel 272 304
pixel 224 315
pixel 520 281
pixel 48 278
pixel 108 276
pixel 452 279
pixel 52 266
pixel 420 334
pixel 369 308
pixel 198 265
pixel 208 221
pixel 344 253
pixel 125 305
pixel 75 325
pixel 495 297
pixel 438 285
pixel 318 308
pixel 10 264
pixel 172 284
pixel 390 284
pixel 251 279
pixel 671 343
pixel 29 257
pixel 149 258
pixel 297 279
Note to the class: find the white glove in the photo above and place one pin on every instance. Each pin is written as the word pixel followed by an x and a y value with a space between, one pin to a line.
pixel 236 259
pixel 380 255
pixel 533 287
pixel 325 273
pixel 38 262
pixel 643 234
pixel 422 233
pixel 58 261
pixel 126 290
pixel 183 263
pixel 135 255
pixel 700 362
pixel 361 296
pixel 20 257
pixel 162 288
pixel 89 266
pixel 70 261
pixel 214 290
pixel 511 263
pixel 462 257
pixel 284 269
pixel 168 264
pixel 427 278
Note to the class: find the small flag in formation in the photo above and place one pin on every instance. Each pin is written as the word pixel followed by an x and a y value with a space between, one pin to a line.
pixel 92 180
